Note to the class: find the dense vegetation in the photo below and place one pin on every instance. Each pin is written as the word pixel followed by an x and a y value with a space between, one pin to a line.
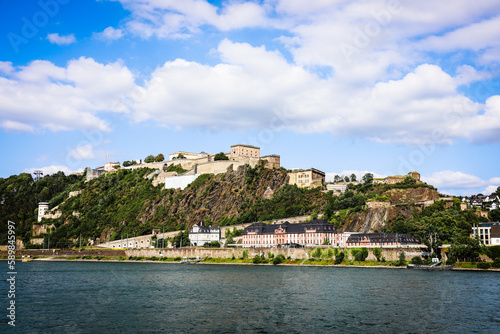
pixel 20 194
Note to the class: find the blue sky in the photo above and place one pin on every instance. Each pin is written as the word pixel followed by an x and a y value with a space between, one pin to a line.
pixel 343 86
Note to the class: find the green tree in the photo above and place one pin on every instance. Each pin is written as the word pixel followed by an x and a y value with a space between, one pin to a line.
pixel 328 254
pixel 402 259
pixel 159 158
pixel 220 156
pixel 353 177
pixel 346 179
pixel 245 254
pixel 317 253
pixel 337 178
pixel 339 258
pixel 149 159
pixel 127 163
pixel 409 180
pixel 368 178
pixel 465 248
pixel 280 258
pixel 377 252
pixel 181 237
pixel 180 156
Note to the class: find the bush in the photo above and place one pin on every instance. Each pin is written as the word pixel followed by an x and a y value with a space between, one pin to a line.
pixel 360 254
pixel 328 254
pixel 417 260
pixel 339 258
pixel 257 259
pixel 280 258
pixel 317 253
pixel 451 260
pixel 177 258
pixel 483 265
pixel 245 254
pixel 377 252
pixel 496 263
pixel 402 259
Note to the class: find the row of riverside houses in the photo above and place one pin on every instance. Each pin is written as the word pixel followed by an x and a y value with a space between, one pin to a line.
pixel 316 232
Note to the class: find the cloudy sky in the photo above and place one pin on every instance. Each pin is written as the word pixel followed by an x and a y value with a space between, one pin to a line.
pixel 342 86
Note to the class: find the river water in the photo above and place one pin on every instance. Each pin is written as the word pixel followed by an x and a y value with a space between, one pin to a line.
pixel 106 297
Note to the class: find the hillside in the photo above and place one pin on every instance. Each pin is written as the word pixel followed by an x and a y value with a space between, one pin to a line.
pixel 126 202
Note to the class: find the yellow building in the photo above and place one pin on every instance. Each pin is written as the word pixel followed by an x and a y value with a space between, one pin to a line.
pixel 309 178
pixel 241 150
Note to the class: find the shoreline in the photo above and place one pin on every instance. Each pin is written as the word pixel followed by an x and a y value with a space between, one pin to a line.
pixel 61 259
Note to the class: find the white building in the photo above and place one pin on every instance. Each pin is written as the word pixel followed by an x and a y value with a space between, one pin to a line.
pixel 42 207
pixel 484 231
pixel 199 235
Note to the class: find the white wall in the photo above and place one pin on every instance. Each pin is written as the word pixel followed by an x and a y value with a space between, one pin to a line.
pixel 181 181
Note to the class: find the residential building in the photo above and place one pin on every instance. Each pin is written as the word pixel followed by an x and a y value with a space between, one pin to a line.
pixel 200 235
pixel 241 150
pixel 495 235
pixel 305 234
pixel 484 230
pixel 381 239
pixel 309 178
pixel 109 166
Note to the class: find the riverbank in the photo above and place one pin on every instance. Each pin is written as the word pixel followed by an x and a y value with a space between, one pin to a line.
pixel 221 261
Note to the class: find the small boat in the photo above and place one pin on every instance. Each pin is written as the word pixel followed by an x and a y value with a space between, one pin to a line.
pixel 190 261
pixel 26 258
pixel 424 267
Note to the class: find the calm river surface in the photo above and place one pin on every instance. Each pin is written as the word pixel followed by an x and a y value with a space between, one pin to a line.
pixel 95 297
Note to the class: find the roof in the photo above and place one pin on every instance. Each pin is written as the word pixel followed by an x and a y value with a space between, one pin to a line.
pixel 250 146
pixel 318 225
pixel 495 231
pixel 383 237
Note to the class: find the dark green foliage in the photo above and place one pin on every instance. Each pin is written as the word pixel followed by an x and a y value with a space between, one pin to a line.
pixel 451 260
pixel 345 201
pixel 493 252
pixel 20 194
pixel 496 263
pixel 465 248
pixel 368 178
pixel 181 237
pixel 257 259
pixel 494 215
pixel 377 252
pixel 200 180
pixel 339 258
pixel 212 244
pixel 220 156
pixel 280 258
pixel 417 260
pixel 149 158
pixel 360 254
pixel 402 259
pixel 484 265
pixel 176 168
pixel 159 158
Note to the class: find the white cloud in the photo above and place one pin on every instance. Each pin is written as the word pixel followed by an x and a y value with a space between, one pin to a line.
pixel 16 126
pixel 48 170
pixel 178 19
pixel 459 183
pixel 251 83
pixel 6 67
pixel 61 40
pixel 83 152
pixel 110 34
pixel 44 95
